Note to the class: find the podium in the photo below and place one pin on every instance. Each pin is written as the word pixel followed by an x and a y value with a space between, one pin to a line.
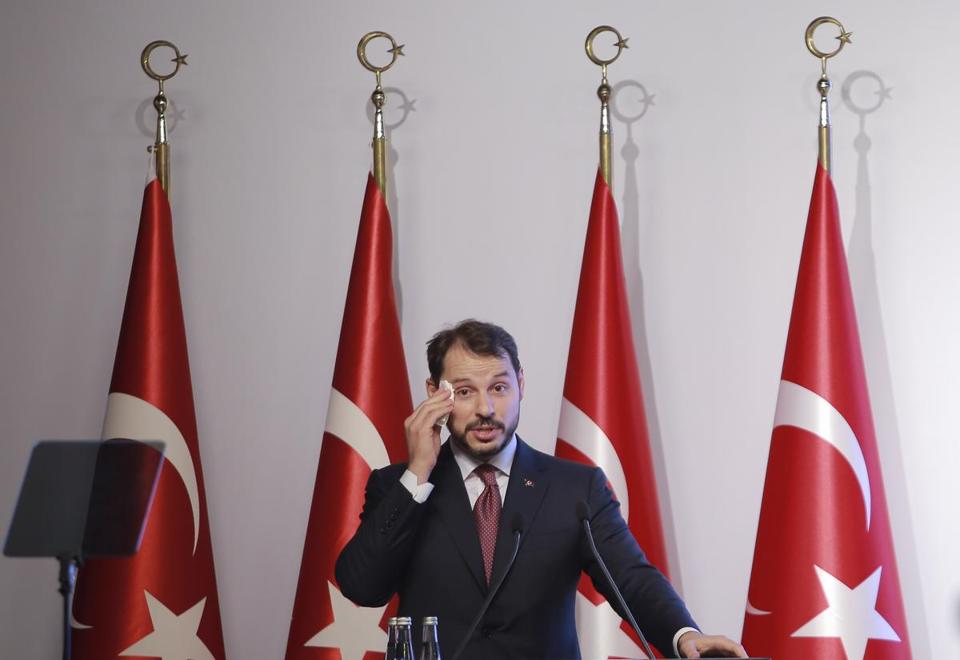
pixel 81 499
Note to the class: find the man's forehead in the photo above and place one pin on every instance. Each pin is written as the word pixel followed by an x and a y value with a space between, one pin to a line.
pixel 462 363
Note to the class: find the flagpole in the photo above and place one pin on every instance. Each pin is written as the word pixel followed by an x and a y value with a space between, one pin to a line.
pixel 378 98
pixel 379 393
pixel 824 84
pixel 603 92
pixel 160 147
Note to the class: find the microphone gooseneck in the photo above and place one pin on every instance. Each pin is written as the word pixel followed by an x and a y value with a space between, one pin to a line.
pixel 583 513
pixel 517 523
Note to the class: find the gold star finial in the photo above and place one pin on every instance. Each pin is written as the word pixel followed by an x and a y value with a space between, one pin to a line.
pixel 622 43
pixel 397 50
pixel 180 59
pixel 844 38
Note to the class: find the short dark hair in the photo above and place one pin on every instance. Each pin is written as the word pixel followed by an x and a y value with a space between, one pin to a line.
pixel 477 337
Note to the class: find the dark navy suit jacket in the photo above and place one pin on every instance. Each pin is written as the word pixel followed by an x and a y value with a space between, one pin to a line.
pixel 430 555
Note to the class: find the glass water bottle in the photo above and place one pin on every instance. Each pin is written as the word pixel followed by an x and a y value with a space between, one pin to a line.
pixel 431 642
pixel 404 639
pixel 391 639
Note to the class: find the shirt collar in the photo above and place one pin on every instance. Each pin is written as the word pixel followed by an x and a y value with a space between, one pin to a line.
pixel 502 460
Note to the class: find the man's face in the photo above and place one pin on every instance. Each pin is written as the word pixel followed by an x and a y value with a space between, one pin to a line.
pixel 487 394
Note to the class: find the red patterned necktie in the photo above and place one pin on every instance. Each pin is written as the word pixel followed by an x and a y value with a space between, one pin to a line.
pixel 486 513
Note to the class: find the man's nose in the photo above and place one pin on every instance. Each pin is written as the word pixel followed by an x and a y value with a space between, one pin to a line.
pixel 484 405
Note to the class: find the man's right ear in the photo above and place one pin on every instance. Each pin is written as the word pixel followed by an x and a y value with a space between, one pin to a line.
pixel 431 387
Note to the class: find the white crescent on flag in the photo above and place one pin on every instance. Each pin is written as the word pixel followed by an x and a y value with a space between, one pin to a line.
pixel 347 421
pixel 577 429
pixel 134 419
pixel 805 409
pixel 756 611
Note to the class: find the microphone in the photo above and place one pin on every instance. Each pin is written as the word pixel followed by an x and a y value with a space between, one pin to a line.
pixel 583 513
pixel 517 523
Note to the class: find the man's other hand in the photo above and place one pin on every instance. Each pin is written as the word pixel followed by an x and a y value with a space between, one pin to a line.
pixel 694 644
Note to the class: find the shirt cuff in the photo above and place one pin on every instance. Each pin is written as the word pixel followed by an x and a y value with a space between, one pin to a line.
pixel 420 492
pixel 676 639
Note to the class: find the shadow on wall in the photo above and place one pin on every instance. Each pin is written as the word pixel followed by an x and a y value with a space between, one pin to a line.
pixel 864 93
pixel 630 103
pixel 146 118
pixel 396 110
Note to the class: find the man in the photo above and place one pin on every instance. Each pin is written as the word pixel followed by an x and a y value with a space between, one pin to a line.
pixel 440 529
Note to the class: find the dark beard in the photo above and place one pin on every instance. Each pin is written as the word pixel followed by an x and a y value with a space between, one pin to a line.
pixel 461 440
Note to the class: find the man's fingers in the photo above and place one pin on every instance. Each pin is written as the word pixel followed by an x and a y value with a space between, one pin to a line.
pixel 430 411
pixel 425 417
pixel 441 393
pixel 430 408
pixel 711 645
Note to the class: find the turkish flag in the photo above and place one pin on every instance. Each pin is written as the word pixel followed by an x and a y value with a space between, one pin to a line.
pixel 369 402
pixel 602 421
pixel 824 582
pixel 161 602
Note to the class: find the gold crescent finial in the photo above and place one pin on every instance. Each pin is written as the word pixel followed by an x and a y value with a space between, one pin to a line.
pixel 160 147
pixel 178 60
pixel 604 92
pixel 823 85
pixel 395 51
pixel 844 37
pixel 378 98
pixel 621 43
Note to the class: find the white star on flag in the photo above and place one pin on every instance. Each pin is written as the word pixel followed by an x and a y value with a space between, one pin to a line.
pixel 598 627
pixel 174 636
pixel 851 615
pixel 355 630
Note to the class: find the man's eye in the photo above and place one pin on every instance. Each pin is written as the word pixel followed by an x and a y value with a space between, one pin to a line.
pixel 462 392
pixel 500 388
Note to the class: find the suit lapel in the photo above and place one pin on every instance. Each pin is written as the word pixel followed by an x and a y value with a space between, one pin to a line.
pixel 453 506
pixel 525 493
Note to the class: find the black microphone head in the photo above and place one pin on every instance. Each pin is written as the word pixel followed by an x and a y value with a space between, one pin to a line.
pixel 517 523
pixel 583 511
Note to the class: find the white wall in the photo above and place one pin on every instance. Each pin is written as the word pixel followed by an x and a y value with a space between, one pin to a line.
pixel 490 194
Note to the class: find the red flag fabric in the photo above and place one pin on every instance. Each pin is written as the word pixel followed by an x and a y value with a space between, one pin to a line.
pixel 824 582
pixel 602 420
pixel 369 401
pixel 162 602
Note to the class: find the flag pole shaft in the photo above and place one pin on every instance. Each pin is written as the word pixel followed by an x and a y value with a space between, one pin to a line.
pixel 379 139
pixel 378 97
pixel 161 147
pixel 606 155
pixel 823 130
pixel 824 84
pixel 604 93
